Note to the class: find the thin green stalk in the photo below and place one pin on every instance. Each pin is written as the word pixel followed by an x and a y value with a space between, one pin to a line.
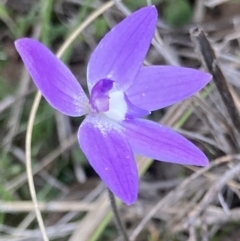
pixel 119 223
pixel 46 21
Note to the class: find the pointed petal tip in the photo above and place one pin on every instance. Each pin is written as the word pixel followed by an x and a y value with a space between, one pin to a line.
pixel 131 201
pixel 151 10
pixel 204 76
pixel 208 77
pixel 21 41
pixel 204 161
pixel 18 44
pixel 130 198
pixel 197 156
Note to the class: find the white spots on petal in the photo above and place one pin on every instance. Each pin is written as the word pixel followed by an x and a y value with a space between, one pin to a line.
pixel 111 75
pixel 103 124
pixel 81 102
pixel 143 94
pixel 104 127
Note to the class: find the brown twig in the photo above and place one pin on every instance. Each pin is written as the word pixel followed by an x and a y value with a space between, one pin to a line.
pixel 208 58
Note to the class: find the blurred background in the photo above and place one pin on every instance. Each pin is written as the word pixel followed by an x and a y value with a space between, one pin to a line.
pixel 180 202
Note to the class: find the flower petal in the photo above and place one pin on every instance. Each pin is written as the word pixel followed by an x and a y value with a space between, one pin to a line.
pixel 156 87
pixel 55 81
pixel 133 111
pixel 110 154
pixel 150 139
pixel 121 52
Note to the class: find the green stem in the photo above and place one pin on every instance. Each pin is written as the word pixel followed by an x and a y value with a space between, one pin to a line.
pixel 119 223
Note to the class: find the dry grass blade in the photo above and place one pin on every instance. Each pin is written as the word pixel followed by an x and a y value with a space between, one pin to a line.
pixel 18 181
pixel 213 191
pixel 33 112
pixel 29 166
pixel 92 220
pixel 61 206
pixel 207 55
pixel 174 195
pixel 213 216
pixel 214 3
pixel 5 103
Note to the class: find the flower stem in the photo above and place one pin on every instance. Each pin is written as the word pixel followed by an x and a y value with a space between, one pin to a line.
pixel 119 223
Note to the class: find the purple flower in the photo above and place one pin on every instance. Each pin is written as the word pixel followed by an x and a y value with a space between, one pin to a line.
pixel 121 91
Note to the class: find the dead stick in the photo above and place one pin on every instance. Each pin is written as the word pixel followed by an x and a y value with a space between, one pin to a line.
pixel 212 192
pixel 208 57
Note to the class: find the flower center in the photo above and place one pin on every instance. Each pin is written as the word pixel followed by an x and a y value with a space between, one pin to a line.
pixel 106 98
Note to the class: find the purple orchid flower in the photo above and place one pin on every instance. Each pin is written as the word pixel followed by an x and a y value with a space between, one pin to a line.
pixel 121 91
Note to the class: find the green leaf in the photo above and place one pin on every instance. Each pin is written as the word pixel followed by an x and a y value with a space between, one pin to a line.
pixel 100 27
pixel 177 12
